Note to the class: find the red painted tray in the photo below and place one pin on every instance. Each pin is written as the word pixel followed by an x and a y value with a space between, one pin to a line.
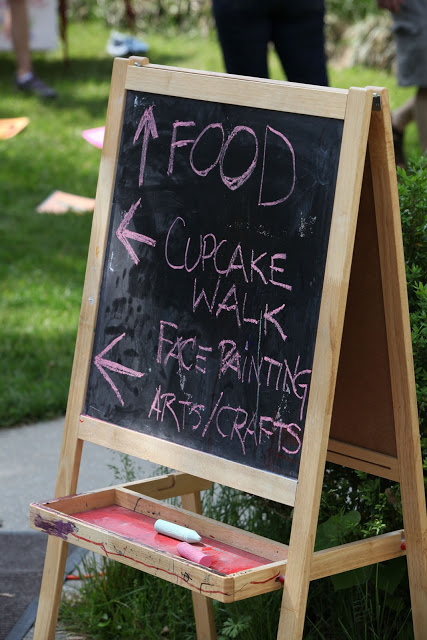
pixel 119 524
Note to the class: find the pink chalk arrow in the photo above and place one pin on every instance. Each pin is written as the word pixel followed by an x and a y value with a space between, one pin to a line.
pixel 147 124
pixel 123 233
pixel 101 363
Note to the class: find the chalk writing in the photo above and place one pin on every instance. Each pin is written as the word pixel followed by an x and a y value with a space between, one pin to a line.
pixel 211 289
pixel 101 363
pixel 263 371
pixel 123 233
pixel 227 420
pixel 253 265
pixel 148 125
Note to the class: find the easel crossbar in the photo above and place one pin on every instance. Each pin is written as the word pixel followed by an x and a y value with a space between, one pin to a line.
pixel 255 481
pixel 355 555
pixel 352 555
pixel 363 460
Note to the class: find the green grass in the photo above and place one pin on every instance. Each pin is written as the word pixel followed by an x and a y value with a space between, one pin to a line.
pixel 43 257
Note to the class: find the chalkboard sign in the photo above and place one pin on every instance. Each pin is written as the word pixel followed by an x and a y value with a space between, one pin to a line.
pixel 244 300
pixel 213 276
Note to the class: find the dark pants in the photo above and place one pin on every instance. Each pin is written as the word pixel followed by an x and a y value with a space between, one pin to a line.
pixel 295 27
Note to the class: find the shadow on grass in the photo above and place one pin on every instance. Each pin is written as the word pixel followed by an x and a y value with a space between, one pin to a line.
pixel 45 360
pixel 43 257
pixel 66 78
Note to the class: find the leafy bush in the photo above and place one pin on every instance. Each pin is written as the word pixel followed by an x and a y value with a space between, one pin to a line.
pixel 185 14
pixel 351 10
pixel 413 207
pixel 149 14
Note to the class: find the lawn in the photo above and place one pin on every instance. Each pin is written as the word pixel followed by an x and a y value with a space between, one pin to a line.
pixel 43 256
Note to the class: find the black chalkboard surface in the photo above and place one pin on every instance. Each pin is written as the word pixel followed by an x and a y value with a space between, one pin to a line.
pixel 213 276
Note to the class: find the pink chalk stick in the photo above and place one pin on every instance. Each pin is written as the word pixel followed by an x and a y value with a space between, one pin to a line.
pixel 193 553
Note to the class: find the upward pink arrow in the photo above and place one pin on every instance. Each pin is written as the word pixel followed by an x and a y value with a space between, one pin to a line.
pixel 147 124
pixel 102 364
pixel 123 233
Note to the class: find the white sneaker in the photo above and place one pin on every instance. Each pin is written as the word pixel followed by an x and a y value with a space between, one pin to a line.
pixel 119 44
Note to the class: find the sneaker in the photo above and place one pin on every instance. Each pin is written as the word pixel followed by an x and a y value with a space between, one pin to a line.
pixel 34 85
pixel 121 45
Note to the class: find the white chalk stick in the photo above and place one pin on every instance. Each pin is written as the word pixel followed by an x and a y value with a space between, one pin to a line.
pixel 193 553
pixel 176 531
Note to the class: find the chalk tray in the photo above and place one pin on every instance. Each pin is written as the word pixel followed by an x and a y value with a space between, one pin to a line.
pixel 118 522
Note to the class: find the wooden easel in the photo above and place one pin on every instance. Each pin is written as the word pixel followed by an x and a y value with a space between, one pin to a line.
pixel 360 317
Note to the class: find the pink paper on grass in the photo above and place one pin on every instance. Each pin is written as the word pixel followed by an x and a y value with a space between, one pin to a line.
pixel 95 136
pixel 61 202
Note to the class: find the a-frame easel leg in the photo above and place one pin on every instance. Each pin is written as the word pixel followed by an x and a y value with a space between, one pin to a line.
pixel 325 365
pixel 56 552
pixel 401 362
pixel 51 589
pixel 69 461
pixel 203 607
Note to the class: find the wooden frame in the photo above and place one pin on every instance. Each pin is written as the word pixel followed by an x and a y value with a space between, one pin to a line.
pixel 366 190
pixel 68 515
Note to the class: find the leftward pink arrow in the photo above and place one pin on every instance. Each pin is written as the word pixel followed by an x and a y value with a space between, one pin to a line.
pixel 101 363
pixel 123 233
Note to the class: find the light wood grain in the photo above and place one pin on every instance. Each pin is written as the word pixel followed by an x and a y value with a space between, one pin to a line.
pixel 82 501
pixel 51 589
pixel 169 485
pixel 169 567
pixel 329 334
pixel 69 462
pixel 363 459
pixel 401 362
pixel 202 606
pixel 328 562
pixel 58 517
pixel 255 582
pixel 238 90
pixel 345 557
pixel 351 556
pixel 153 508
pixel 255 481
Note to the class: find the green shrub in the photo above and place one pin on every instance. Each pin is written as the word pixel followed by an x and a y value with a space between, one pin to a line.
pixel 351 10
pixel 413 207
pixel 187 14
pixel 149 14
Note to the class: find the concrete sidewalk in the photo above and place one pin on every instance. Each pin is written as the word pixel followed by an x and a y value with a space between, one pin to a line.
pixel 29 457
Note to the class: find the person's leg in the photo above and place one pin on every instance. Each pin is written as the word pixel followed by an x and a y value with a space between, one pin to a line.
pixel 413 109
pixel 244 33
pixel 26 80
pixel 298 36
pixel 421 116
pixel 400 118
pixel 409 30
pixel 20 36
pixel 403 115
